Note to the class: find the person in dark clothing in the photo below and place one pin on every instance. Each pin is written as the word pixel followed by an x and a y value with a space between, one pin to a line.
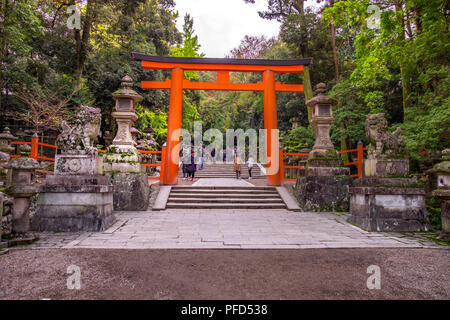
pixel 191 167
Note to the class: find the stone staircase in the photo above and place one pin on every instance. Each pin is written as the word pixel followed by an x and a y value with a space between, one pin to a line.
pixel 223 197
pixel 225 170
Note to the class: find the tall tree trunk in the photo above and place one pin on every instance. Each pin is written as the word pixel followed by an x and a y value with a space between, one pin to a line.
pixel 336 76
pixel 406 86
pixel 4 10
pixel 307 88
pixel 333 45
pixel 82 42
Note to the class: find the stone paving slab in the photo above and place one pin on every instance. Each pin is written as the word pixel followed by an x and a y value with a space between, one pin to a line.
pixel 230 229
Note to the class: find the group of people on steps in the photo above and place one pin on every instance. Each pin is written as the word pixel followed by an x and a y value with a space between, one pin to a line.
pixel 189 164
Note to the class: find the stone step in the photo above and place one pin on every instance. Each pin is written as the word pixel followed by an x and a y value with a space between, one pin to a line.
pixel 224 195
pixel 196 200
pixel 171 205
pixel 224 171
pixel 223 192
pixel 224 188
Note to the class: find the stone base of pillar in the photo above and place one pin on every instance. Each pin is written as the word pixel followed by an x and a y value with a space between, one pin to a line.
pixel 74 203
pixel 388 204
pixel 444 195
pixel 324 189
pixel 131 191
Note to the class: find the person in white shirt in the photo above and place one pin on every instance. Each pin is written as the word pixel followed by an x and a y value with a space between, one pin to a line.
pixel 251 162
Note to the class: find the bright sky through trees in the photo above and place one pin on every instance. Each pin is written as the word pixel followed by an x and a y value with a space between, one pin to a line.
pixel 222 24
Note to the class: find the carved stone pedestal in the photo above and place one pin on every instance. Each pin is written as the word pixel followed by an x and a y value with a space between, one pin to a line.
pixel 131 191
pixel 22 189
pixel 388 204
pixel 75 202
pixel 386 167
pixel 323 185
pixel 444 195
pixel 441 173
pixel 323 193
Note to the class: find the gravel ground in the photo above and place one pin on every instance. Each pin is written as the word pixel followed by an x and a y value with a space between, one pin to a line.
pixel 226 274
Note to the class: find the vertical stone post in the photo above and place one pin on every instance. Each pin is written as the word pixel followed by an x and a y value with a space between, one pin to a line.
pixel 22 190
pixel 2 244
pixel 5 151
pixel 442 173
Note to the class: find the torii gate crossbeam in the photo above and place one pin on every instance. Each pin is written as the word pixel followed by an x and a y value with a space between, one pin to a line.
pixel 223 67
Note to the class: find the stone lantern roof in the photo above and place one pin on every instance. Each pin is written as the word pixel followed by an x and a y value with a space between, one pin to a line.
pixel 6 135
pixel 149 129
pixel 126 90
pixel 321 97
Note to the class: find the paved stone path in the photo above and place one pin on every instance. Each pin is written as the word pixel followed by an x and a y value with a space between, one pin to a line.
pixel 229 229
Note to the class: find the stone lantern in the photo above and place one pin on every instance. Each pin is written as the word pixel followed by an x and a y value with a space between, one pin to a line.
pixel 123 162
pixel 5 141
pixel 442 173
pixel 5 151
pixel 122 153
pixel 22 189
pixel 135 134
pixel 295 122
pixel 322 119
pixel 323 185
pixel 126 99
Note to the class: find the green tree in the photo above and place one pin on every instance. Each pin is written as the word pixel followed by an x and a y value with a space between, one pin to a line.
pixel 190 49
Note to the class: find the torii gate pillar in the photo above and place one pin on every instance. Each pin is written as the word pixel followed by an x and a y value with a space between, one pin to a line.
pixel 271 129
pixel 174 128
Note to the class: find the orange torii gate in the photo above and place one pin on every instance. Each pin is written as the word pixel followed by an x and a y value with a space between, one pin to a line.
pixel 223 67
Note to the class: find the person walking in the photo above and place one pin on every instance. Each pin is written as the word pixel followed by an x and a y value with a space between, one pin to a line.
pixel 250 162
pixel 201 158
pixel 237 167
pixel 191 167
pixel 213 155
pixel 184 163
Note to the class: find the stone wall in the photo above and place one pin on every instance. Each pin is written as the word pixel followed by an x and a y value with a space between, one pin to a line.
pixel 323 193
pixel 388 209
pixel 131 191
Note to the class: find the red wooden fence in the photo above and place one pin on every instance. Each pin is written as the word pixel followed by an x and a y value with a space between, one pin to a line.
pixel 359 162
pixel 34 154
